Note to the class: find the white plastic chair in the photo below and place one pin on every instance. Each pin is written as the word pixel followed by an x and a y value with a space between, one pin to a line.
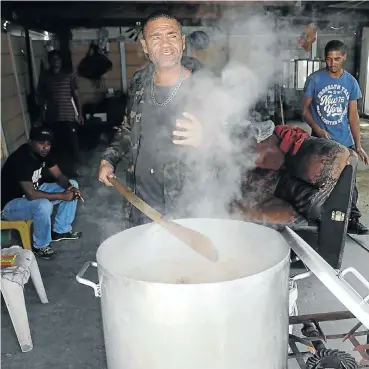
pixel 13 279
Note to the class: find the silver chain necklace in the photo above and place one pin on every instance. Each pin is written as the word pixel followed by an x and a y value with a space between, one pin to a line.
pixel 173 94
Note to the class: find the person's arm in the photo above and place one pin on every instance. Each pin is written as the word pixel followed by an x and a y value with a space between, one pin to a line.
pixel 120 144
pixel 354 121
pixel 60 178
pixel 63 181
pixel 32 194
pixel 76 97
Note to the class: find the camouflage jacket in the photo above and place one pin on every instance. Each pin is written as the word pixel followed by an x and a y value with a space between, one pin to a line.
pixel 126 142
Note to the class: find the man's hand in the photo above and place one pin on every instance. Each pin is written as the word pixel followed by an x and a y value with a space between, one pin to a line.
pixel 81 120
pixel 67 195
pixel 193 136
pixel 323 134
pixel 362 155
pixel 76 191
pixel 106 171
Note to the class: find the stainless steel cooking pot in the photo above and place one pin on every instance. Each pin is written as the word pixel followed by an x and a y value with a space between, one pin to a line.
pixel 166 307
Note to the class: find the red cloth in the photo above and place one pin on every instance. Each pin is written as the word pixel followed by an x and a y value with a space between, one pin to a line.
pixel 290 137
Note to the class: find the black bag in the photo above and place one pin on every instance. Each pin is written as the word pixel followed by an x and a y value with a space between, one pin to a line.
pixel 95 64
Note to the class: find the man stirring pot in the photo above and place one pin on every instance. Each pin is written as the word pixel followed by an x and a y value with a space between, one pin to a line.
pixel 156 124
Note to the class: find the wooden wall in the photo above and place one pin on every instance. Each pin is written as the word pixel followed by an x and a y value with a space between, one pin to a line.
pixel 15 124
pixel 135 59
pixel 89 91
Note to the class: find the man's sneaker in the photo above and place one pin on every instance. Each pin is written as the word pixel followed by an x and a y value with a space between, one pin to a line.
pixel 44 252
pixel 355 227
pixel 55 237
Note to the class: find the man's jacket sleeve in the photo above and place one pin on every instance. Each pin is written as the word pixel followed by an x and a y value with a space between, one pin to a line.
pixel 121 143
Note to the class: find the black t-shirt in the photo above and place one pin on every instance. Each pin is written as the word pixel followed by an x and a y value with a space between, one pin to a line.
pixel 156 144
pixel 23 165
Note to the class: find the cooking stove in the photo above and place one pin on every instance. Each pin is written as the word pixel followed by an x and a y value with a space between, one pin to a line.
pixel 313 353
pixel 309 349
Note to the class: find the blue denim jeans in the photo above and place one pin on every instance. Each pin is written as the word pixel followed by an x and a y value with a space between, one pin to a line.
pixel 40 212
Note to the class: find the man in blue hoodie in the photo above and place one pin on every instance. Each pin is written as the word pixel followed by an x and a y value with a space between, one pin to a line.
pixel 330 108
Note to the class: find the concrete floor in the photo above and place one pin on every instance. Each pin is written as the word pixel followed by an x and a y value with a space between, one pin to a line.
pixel 67 332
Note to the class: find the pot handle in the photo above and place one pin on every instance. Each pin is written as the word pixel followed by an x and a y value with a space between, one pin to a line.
pixel 87 282
pixel 359 276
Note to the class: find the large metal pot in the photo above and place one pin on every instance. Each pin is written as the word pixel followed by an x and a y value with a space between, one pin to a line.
pixel 166 307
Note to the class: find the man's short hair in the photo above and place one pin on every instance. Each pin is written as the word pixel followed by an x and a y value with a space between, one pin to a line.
pixel 158 15
pixel 335 45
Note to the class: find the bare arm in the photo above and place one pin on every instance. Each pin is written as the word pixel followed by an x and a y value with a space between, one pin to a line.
pixel 60 178
pixel 77 101
pixel 63 181
pixel 354 121
pixel 309 119
pixel 33 194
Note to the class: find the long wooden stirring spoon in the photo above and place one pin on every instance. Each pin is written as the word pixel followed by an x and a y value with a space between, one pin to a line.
pixel 197 241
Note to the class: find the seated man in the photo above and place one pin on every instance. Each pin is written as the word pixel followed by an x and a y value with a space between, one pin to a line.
pixel 25 197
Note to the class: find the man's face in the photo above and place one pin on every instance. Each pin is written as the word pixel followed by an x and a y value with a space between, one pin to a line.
pixel 55 62
pixel 41 148
pixel 163 42
pixel 335 60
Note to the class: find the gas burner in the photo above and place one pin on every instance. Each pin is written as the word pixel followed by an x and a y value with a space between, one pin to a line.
pixel 334 359
pixel 313 338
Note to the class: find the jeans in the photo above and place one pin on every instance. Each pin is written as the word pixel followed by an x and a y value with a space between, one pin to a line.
pixel 40 211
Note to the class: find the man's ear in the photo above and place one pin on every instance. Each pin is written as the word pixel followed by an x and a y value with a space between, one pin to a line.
pixel 144 46
pixel 344 56
pixel 184 42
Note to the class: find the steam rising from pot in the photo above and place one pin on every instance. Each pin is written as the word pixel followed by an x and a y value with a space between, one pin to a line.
pixel 223 104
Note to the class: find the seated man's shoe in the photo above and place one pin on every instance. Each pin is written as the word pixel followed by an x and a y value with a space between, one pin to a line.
pixel 355 227
pixel 44 252
pixel 55 237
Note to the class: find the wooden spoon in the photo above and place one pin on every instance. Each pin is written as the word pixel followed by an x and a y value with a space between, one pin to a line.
pixel 197 241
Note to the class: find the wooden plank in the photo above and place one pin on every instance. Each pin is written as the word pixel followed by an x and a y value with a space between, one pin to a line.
pixel 8 87
pixel 115 73
pixel 130 47
pixel 4 146
pixel 19 44
pixel 6 65
pixel 135 58
pixel 116 84
pixel 19 141
pixel 21 64
pixel 23 97
pixel 92 97
pixel 114 48
pixel 10 108
pixel 13 129
pixel 132 70
pixel 23 83
pixel 85 85
pixel 79 49
pixel 4 45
